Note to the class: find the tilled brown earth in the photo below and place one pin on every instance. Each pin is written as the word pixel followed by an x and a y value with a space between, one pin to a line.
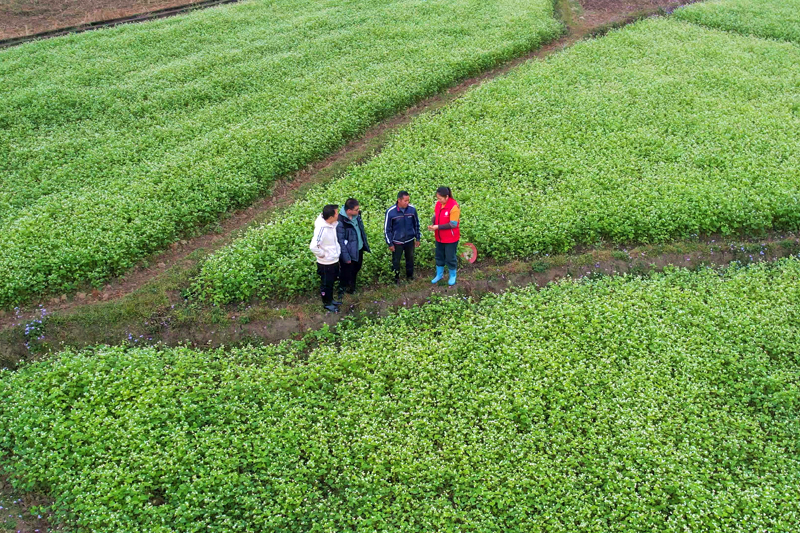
pixel 599 12
pixel 26 17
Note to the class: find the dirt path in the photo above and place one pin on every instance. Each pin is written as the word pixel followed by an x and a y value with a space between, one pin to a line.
pixel 20 18
pixel 166 318
pixel 596 17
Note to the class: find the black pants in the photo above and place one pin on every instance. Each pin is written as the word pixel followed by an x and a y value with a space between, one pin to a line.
pixel 399 250
pixel 446 254
pixel 327 277
pixel 347 281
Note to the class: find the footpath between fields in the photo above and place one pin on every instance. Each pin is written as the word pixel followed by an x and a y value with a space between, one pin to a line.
pixel 159 312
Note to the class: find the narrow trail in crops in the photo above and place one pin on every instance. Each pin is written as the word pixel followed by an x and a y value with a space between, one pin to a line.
pixel 595 18
pixel 170 320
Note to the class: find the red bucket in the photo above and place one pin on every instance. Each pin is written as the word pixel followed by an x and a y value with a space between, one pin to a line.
pixel 468 252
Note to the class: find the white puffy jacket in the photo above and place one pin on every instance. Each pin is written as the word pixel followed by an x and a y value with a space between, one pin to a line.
pixel 324 244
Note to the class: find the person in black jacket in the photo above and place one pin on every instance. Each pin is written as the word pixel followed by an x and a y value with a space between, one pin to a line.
pixel 353 241
pixel 401 230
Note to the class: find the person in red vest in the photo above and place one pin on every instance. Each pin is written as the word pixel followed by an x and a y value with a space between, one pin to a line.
pixel 447 214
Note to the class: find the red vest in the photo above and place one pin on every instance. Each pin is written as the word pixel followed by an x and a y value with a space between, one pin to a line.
pixel 442 216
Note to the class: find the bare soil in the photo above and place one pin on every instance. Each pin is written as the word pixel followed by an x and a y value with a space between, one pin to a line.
pixel 19 18
pixel 474 282
pixel 17 511
pixel 170 320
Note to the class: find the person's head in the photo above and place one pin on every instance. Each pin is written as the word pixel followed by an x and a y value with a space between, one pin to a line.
pixel 351 207
pixel 403 199
pixel 330 213
pixel 443 194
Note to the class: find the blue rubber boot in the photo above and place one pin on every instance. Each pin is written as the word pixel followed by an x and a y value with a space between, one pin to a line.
pixel 439 274
pixel 452 279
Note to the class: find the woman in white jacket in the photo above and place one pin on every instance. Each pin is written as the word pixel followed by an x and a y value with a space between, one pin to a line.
pixel 326 247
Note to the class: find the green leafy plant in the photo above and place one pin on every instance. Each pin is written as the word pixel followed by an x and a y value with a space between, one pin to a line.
pixel 114 143
pixel 658 131
pixel 774 19
pixel 667 403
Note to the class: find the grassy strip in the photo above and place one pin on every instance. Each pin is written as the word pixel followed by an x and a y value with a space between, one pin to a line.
pixel 658 404
pixel 658 131
pixel 114 143
pixel 773 19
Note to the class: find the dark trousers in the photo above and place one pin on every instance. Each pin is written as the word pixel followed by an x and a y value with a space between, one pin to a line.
pixel 446 254
pixel 399 250
pixel 349 272
pixel 327 277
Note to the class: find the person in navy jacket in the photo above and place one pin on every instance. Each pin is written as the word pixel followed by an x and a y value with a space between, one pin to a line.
pixel 401 231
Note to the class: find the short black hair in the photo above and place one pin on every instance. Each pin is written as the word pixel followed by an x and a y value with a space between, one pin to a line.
pixel 329 211
pixel 351 203
pixel 402 194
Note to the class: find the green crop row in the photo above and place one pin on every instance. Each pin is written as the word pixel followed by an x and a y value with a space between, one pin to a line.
pixel 661 130
pixel 774 19
pixel 666 403
pixel 114 143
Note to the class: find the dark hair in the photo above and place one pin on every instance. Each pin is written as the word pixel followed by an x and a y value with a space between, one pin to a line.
pixel 445 191
pixel 351 203
pixel 329 210
pixel 402 194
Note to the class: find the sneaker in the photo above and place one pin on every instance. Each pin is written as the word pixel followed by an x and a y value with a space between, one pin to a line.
pixel 332 308
pixel 335 303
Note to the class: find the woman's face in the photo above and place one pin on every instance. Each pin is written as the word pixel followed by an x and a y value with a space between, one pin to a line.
pixel 442 199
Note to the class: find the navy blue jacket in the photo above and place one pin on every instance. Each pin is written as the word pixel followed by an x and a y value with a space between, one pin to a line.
pixel 348 240
pixel 401 227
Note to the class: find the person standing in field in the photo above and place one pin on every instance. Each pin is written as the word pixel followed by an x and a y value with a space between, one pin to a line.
pixel 353 242
pixel 446 228
pixel 325 247
pixel 401 230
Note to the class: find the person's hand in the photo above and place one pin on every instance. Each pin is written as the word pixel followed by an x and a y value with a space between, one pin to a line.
pixel 347 262
pixel 391 248
pixel 416 244
pixel 432 227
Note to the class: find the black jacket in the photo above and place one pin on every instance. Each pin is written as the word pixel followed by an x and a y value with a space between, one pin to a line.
pixel 348 240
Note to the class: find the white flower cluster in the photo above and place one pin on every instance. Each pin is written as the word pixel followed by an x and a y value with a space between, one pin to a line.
pixel 666 403
pixel 661 130
pixel 115 143
pixel 773 19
